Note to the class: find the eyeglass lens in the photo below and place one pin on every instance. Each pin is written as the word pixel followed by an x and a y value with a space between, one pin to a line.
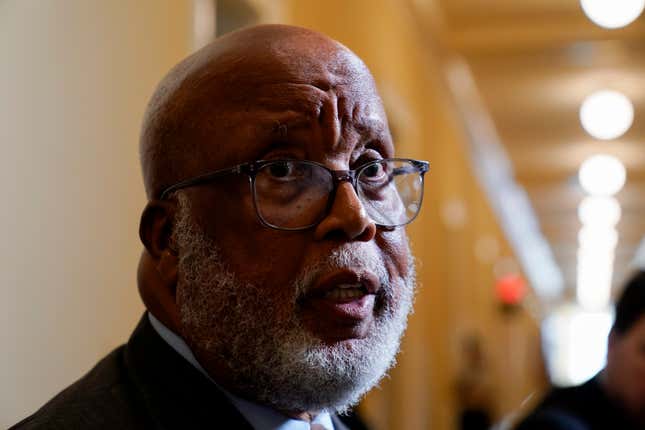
pixel 295 194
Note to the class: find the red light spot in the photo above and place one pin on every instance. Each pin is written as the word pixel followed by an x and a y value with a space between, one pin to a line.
pixel 510 289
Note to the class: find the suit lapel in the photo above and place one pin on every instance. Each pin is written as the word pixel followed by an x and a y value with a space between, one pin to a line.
pixel 175 393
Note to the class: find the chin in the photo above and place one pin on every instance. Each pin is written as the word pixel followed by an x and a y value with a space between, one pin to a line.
pixel 343 334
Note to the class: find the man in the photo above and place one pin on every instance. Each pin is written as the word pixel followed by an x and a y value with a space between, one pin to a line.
pixel 615 398
pixel 276 272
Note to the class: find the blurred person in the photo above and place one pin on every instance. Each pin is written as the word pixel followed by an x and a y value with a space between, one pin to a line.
pixel 277 274
pixel 474 388
pixel 615 398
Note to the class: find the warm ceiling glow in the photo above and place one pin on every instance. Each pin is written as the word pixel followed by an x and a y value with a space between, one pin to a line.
pixel 599 211
pixel 606 114
pixel 602 175
pixel 612 13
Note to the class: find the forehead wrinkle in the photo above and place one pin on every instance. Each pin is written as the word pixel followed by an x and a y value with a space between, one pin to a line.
pixel 277 108
pixel 330 122
pixel 340 112
pixel 350 117
pixel 293 96
pixel 372 128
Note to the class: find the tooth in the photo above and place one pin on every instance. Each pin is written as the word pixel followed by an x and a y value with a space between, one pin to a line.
pixel 345 292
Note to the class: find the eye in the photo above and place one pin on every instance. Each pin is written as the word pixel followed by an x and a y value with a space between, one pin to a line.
pixel 281 169
pixel 373 171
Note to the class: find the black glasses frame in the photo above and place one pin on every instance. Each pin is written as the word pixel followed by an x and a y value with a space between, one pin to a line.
pixel 252 168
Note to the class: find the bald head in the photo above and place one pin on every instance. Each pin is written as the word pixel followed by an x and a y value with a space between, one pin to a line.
pixel 202 98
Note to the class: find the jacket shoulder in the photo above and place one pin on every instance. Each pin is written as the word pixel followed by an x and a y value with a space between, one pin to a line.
pixel 104 398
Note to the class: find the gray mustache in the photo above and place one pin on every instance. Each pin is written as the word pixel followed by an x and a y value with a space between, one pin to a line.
pixel 350 258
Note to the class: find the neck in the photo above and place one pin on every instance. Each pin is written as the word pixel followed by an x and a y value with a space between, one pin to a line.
pixel 303 416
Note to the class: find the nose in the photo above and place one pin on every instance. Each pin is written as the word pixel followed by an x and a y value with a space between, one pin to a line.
pixel 347 218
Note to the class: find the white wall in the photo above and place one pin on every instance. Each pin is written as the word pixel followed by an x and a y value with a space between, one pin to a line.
pixel 75 76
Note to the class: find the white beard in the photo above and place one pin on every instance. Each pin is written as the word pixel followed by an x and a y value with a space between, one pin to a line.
pixel 273 359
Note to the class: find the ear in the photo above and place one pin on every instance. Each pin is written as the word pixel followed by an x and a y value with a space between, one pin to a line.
pixel 155 228
pixel 157 289
pixel 157 275
pixel 155 231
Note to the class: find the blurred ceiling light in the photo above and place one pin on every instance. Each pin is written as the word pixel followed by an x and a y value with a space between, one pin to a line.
pixel 602 175
pixel 596 266
pixel 598 238
pixel 575 343
pixel 612 13
pixel 588 333
pixel 599 211
pixel 606 114
pixel 593 293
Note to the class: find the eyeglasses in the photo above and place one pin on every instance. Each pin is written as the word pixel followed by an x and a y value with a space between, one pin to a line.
pixel 297 194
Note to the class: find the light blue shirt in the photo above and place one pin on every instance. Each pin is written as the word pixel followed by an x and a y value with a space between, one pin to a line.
pixel 261 417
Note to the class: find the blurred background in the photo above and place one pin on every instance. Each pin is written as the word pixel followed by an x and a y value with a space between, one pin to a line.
pixel 530 113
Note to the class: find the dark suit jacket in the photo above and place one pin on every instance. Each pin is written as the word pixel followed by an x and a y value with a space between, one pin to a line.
pixel 583 407
pixel 144 384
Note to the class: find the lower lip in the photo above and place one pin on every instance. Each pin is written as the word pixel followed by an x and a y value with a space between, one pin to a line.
pixel 357 309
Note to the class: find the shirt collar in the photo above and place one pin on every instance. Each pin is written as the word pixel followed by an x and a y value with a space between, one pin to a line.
pixel 261 417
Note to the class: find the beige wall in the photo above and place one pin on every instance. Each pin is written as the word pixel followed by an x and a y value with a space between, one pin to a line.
pixel 74 79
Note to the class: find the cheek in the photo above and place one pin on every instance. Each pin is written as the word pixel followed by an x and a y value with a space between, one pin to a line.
pixel 230 220
pixel 394 248
pixel 269 264
pixel 274 255
pixel 261 256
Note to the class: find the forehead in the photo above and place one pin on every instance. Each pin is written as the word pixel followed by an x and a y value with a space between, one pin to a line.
pixel 324 103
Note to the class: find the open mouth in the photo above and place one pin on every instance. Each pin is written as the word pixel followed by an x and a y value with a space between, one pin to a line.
pixel 342 297
pixel 346 292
